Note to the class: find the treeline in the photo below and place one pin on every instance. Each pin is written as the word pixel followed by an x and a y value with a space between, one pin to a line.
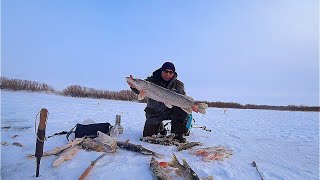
pixel 73 90
pixel 79 91
pixel 126 95
pixel 265 107
pixel 21 85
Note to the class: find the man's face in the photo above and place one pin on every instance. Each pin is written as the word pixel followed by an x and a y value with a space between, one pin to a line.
pixel 167 74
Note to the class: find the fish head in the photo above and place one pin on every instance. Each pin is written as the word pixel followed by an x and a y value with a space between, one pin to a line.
pixel 137 83
pixel 153 161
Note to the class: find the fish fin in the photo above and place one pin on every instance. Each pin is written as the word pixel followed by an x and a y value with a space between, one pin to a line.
pixel 168 105
pixel 177 172
pixel 126 142
pixel 185 164
pixel 174 161
pixel 187 110
pixel 181 146
pixel 168 171
pixel 202 108
pixel 142 95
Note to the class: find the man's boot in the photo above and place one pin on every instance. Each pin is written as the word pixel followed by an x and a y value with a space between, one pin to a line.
pixel 179 137
pixel 150 129
pixel 162 129
pixel 178 128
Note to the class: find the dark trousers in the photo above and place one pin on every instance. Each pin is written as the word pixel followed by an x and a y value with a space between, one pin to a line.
pixel 154 120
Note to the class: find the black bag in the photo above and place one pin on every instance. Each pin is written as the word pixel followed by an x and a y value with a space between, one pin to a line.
pixel 89 130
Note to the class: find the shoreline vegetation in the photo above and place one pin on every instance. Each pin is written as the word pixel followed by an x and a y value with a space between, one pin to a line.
pixel 127 95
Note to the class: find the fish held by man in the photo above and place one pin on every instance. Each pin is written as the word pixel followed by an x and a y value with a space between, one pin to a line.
pixel 166 96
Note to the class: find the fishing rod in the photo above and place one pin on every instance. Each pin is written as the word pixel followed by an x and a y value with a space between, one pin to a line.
pixel 201 127
pixel 255 165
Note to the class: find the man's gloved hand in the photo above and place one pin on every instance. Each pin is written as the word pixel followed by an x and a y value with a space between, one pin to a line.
pixel 195 108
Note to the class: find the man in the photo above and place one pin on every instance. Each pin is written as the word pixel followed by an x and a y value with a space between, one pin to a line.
pixel 156 112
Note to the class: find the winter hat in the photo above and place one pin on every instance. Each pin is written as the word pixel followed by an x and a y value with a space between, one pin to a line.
pixel 168 65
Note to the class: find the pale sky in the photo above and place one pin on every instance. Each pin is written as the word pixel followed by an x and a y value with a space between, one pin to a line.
pixel 247 51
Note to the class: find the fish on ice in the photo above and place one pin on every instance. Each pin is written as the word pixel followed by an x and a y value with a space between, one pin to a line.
pixel 58 150
pixel 66 155
pixel 158 171
pixel 137 148
pixel 212 153
pixel 159 139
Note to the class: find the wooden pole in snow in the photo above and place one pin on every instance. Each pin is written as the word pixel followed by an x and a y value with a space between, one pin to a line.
pixel 41 137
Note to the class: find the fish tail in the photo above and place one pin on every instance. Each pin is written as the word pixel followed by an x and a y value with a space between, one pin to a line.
pixel 181 146
pixel 153 159
pixel 202 108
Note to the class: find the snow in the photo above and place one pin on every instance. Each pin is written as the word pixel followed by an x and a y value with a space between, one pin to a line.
pixel 285 145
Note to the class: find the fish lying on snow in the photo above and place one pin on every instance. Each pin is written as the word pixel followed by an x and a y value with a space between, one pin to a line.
pixel 60 149
pixel 169 141
pixel 158 171
pixel 212 153
pixel 137 148
pixel 183 169
pixel 159 139
pixel 166 96
pixel 102 143
pixel 188 145
pixel 66 155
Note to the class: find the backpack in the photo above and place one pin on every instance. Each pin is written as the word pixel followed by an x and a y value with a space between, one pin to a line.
pixel 89 130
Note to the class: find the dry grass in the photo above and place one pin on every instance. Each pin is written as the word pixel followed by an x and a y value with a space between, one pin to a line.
pixel 126 95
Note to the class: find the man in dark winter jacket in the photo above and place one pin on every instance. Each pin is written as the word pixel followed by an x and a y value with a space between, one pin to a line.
pixel 156 112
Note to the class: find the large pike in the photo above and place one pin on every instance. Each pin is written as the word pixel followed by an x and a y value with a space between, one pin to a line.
pixel 166 96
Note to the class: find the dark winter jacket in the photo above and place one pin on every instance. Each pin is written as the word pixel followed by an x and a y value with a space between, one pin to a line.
pixel 156 107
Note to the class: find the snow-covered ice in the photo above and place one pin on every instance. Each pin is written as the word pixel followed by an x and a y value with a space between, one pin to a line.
pixel 284 144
